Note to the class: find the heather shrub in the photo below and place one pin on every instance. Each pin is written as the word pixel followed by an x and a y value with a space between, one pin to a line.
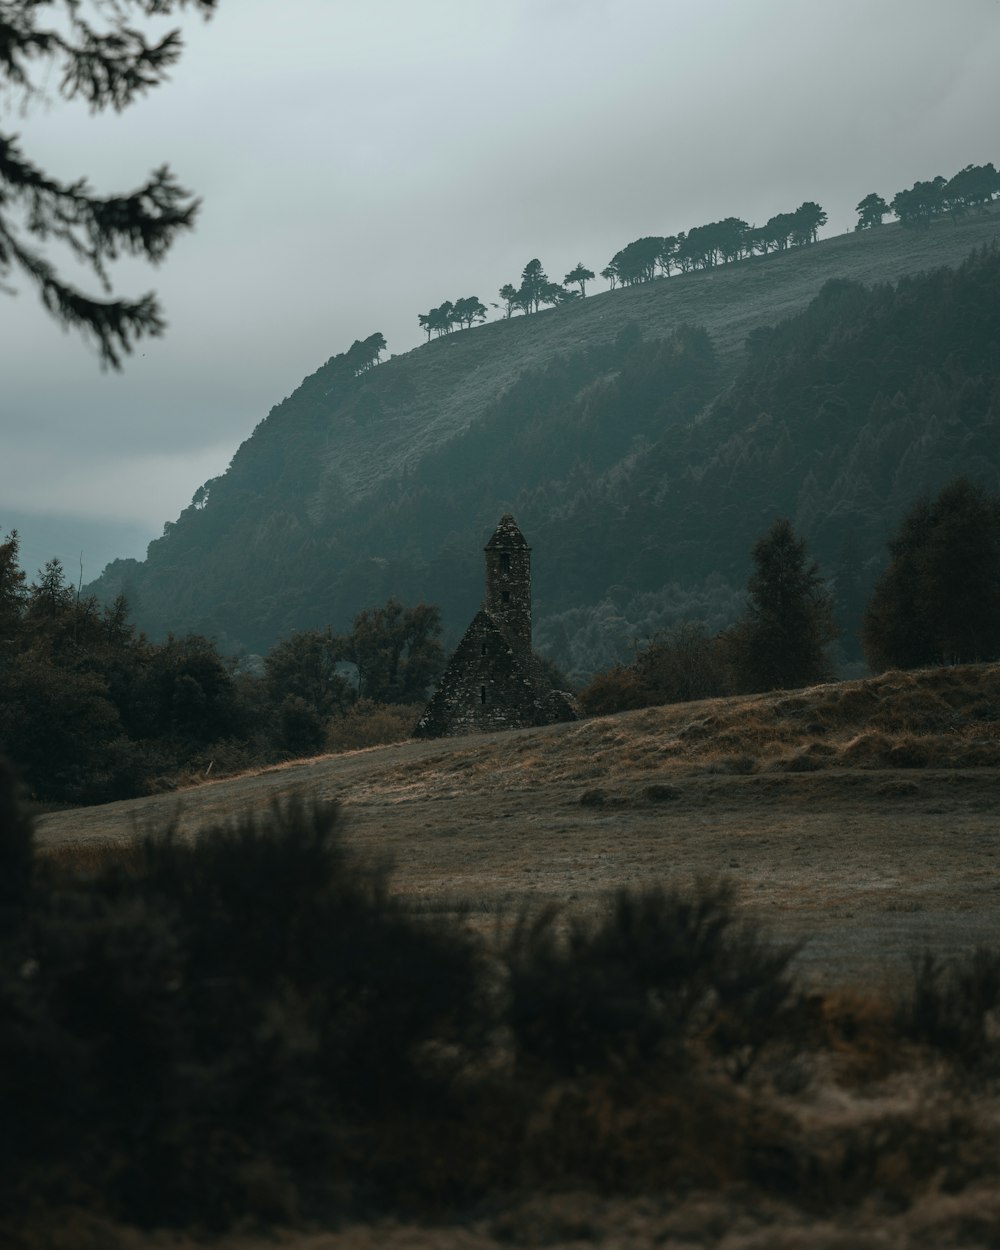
pixel 676 666
pixel 171 1026
pixel 370 724
pixel 616 690
pixel 660 969
pixel 953 1006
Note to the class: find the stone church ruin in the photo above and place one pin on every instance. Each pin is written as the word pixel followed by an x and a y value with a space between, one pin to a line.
pixel 494 680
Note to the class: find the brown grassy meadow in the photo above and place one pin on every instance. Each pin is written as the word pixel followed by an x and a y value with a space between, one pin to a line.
pixel 858 819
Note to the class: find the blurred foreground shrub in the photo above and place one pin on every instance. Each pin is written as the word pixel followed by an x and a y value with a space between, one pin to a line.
pixel 171 1028
pixel 660 970
pixel 250 1026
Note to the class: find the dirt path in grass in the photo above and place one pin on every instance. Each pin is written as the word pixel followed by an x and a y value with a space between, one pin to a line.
pixel 863 865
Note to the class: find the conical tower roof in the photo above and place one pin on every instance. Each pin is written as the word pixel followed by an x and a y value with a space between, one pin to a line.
pixel 507 534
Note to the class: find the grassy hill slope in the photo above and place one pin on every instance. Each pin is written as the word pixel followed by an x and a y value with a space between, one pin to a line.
pixel 347 493
pixel 434 391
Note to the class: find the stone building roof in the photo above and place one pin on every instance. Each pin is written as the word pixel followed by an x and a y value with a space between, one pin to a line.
pixel 507 534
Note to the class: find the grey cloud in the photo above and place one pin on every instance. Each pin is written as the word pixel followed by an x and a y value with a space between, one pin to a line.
pixel 361 163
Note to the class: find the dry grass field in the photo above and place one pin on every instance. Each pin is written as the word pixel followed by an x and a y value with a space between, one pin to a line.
pixel 859 818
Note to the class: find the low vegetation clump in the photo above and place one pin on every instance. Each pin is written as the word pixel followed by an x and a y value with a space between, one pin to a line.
pixel 252 1026
pixel 945 718
pixel 371 724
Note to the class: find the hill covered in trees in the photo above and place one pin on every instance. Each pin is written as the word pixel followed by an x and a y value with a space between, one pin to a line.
pixel 643 437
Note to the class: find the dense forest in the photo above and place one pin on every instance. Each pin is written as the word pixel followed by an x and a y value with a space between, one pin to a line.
pixel 640 458
pixel 91 710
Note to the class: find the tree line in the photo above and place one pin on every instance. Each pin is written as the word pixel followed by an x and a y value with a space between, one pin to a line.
pixel 973 187
pixel 91 710
pixel 727 241
pixel 938 602
pixel 716 243
pixel 702 247
pixel 461 314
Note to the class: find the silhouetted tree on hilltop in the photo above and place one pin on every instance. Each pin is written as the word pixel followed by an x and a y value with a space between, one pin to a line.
pixel 580 275
pixel 508 293
pixel 972 187
pixel 808 218
pixel 468 310
pixel 534 282
pixel 870 211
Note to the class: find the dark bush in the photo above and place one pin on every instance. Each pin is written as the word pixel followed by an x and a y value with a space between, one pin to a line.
pixel 949 1005
pixel 171 1027
pixel 301 729
pixel 676 666
pixel 617 690
pixel 251 1026
pixel 683 664
pixel 15 845
pixel 660 968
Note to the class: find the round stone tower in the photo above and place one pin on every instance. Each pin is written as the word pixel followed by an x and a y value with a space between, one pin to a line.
pixel 508 584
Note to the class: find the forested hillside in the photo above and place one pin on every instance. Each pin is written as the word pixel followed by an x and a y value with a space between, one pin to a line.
pixel 643 438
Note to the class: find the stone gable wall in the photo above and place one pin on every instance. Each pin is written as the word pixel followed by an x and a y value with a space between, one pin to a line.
pixel 484 688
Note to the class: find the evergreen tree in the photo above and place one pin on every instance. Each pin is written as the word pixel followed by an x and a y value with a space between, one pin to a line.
pixel 534 281
pixel 580 275
pixel 922 202
pixel 808 218
pixel 870 211
pixel 13 592
pixel 975 186
pixel 667 254
pixel 938 602
pixel 96 56
pixel 782 640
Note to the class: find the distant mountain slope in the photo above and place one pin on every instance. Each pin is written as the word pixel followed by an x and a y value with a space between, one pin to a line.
pixel 354 489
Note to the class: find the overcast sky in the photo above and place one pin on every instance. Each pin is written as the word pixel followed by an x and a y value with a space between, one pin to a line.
pixel 360 163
